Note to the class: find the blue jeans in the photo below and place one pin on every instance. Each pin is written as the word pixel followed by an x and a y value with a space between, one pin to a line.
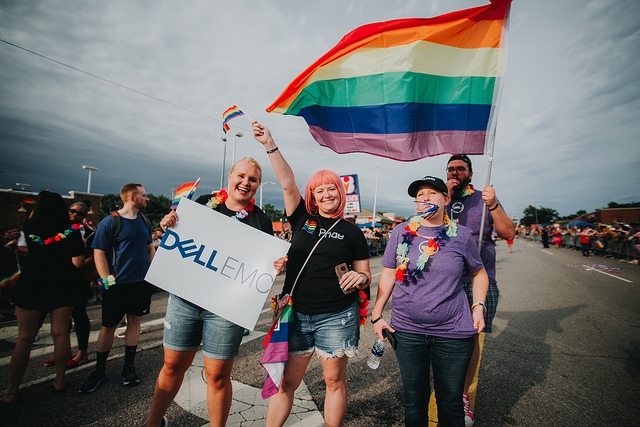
pixel 449 359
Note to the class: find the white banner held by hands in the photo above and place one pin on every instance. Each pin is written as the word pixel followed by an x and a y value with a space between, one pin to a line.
pixel 217 263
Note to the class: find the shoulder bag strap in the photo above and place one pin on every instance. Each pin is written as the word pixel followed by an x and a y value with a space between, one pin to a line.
pixel 309 256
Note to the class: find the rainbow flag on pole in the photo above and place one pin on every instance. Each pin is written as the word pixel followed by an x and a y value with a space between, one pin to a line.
pixel 230 113
pixel 188 189
pixel 408 88
pixel 276 351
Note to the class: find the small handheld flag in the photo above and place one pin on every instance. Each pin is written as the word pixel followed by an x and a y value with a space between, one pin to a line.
pixel 188 189
pixel 231 113
pixel 276 351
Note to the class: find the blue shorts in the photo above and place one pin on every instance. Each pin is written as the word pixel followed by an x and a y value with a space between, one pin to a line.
pixel 493 294
pixel 331 334
pixel 187 325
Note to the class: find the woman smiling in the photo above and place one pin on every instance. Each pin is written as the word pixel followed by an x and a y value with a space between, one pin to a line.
pixel 430 319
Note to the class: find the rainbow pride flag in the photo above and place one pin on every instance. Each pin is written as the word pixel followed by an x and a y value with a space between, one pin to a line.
pixel 188 189
pixel 10 272
pixel 408 88
pixel 276 351
pixel 230 113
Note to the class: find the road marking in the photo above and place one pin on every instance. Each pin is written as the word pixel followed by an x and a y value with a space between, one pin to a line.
pixel 608 274
pixel 547 252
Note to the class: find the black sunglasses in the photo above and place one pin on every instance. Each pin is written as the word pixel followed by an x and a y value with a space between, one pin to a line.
pixel 79 213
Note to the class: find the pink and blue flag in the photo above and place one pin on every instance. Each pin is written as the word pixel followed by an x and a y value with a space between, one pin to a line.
pixel 408 88
pixel 188 189
pixel 230 113
pixel 276 351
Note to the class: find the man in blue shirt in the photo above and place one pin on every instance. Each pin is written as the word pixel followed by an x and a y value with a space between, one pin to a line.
pixel 123 251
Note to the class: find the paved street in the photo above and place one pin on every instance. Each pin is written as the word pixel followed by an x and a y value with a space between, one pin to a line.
pixel 565 351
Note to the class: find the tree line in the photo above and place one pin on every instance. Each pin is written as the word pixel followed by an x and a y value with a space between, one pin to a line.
pixel 543 215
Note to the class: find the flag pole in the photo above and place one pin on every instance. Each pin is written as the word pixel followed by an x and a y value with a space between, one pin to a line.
pixel 193 189
pixel 503 41
pixel 375 200
pixel 488 182
pixel 245 113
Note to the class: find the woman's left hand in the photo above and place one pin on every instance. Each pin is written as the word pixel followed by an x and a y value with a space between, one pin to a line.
pixel 352 281
pixel 280 264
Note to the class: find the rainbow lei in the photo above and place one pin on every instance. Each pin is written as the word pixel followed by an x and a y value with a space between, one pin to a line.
pixel 222 195
pixel 403 273
pixel 57 237
pixel 469 190
pixel 363 304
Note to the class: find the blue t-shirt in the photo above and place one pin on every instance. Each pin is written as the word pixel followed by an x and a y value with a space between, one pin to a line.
pixel 130 248
pixel 435 304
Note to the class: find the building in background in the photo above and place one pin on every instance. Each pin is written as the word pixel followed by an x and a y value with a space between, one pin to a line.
pixel 16 205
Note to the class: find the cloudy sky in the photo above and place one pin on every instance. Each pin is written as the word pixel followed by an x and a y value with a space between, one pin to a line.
pixel 137 89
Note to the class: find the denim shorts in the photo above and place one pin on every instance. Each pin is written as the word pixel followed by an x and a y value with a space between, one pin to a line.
pixel 331 334
pixel 187 325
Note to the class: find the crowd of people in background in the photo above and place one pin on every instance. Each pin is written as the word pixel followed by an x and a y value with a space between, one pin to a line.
pixel 616 240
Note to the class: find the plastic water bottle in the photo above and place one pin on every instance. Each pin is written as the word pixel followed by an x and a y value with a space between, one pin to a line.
pixel 376 353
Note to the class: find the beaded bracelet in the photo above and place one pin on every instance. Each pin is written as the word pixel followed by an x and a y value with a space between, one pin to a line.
pixel 366 278
pixel 484 307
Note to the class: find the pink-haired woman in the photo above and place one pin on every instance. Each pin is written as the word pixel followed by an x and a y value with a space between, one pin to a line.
pixel 326 307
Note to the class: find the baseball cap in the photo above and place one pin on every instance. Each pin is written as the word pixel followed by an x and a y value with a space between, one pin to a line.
pixel 431 181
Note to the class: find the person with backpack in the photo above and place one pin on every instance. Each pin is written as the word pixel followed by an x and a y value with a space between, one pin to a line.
pixel 122 251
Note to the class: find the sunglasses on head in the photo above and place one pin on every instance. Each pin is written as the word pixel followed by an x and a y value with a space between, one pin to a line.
pixel 79 213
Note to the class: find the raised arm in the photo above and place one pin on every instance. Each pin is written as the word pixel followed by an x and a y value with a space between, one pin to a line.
pixel 283 171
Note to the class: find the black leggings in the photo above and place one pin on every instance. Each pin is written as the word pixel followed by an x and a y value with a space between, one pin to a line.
pixel 83 326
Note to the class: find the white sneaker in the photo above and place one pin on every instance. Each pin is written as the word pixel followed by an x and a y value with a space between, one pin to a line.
pixel 469 417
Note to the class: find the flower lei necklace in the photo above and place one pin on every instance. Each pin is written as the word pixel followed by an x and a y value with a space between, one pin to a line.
pixel 469 190
pixel 222 196
pixel 55 238
pixel 403 273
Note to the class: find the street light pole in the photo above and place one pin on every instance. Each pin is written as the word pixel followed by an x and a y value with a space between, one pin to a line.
pixel 90 169
pixel 233 156
pixel 224 160
pixel 261 184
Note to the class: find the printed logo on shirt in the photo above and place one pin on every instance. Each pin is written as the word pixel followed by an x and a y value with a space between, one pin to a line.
pixel 457 207
pixel 424 248
pixel 331 235
pixel 310 226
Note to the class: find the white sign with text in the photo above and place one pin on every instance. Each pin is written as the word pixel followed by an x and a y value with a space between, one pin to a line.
pixel 217 263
